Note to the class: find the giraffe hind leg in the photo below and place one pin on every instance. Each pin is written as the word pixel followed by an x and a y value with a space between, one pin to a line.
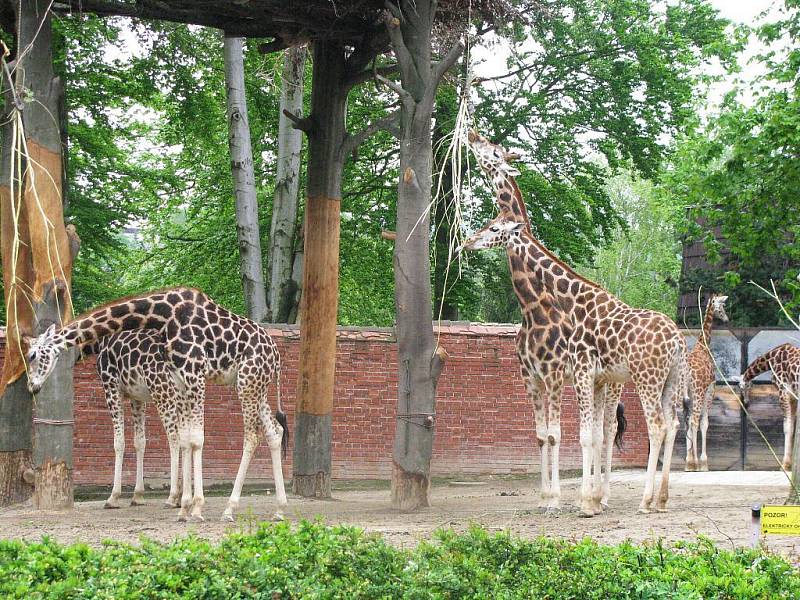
pixel 114 403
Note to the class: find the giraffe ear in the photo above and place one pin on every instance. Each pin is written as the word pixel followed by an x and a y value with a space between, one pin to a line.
pixel 50 332
pixel 517 227
pixel 511 171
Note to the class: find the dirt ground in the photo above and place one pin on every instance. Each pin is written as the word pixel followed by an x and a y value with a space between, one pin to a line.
pixel 716 505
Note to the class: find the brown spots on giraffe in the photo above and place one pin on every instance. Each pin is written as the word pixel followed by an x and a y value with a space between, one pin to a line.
pixel 132 322
pixel 141 306
pixel 162 309
pixel 119 311
pixel 562 285
pixel 183 313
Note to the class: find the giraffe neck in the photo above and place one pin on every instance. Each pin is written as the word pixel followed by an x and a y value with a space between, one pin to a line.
pixel 146 311
pixel 763 363
pixel 567 287
pixel 508 197
pixel 529 289
pixel 708 324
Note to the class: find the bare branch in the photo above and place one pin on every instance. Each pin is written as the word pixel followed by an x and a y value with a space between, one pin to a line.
pixel 353 141
pixel 303 124
pixel 444 65
pixel 368 74
pixel 408 69
pixel 395 87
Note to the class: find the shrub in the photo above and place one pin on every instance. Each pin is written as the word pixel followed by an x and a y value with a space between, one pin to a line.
pixel 311 560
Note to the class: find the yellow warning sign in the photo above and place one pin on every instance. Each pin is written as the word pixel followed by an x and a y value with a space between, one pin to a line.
pixel 780 519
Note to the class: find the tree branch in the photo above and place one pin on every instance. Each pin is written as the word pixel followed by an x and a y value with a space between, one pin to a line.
pixel 368 74
pixel 444 65
pixel 353 141
pixel 303 124
pixel 405 97
pixel 408 70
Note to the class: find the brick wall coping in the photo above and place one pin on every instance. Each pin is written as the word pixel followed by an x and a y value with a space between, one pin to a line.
pixel 468 328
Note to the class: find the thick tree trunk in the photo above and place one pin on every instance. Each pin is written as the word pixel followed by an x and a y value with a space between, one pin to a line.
pixel 318 308
pixel 37 293
pixel 247 230
pixel 282 292
pixel 419 360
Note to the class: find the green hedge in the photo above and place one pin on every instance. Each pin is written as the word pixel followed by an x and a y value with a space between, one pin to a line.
pixel 311 560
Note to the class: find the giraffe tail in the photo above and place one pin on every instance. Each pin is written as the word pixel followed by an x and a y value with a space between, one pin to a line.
pixel 280 416
pixel 622 425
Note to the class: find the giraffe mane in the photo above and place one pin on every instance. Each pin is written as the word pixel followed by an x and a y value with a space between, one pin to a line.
pixel 124 299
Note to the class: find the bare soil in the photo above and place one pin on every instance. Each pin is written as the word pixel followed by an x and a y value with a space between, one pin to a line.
pixel 699 504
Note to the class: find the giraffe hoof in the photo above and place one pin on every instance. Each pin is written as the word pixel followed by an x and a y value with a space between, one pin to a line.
pixel 644 511
pixel 278 517
pixel 603 506
pixel 786 466
pixel 138 502
pixel 227 518
pixel 586 513
pixel 171 504
pixel 541 510
pixel 553 510
pixel 111 504
pixel 197 519
pixel 704 468
pixel 182 518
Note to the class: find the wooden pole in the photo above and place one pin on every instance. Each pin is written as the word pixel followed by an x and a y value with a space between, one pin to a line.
pixel 318 306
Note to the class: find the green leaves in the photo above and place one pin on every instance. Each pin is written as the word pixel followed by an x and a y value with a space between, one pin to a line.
pixel 311 560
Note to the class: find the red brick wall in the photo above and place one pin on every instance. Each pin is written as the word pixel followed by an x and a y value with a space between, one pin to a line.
pixel 484 422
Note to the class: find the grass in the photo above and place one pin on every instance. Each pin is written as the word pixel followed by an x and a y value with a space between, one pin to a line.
pixel 311 560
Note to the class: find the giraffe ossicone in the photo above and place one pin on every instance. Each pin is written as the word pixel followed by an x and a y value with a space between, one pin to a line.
pixel 202 340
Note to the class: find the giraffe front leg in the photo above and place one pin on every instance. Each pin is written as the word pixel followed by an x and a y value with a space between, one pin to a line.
pixel 598 421
pixel 584 390
pixel 249 447
pixel 139 443
pixel 554 441
pixel 540 423
pixel 691 437
pixel 198 500
pixel 113 401
pixel 656 431
pixel 788 429
pixel 671 428
pixel 184 434
pixel 174 499
pixel 613 393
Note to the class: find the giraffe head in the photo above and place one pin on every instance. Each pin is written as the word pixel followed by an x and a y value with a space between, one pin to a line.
pixel 41 356
pixel 500 231
pixel 717 307
pixel 493 158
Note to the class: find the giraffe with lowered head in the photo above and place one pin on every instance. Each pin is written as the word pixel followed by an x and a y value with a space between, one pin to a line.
pixel 202 341
pixel 542 340
pixel 702 383
pixel 784 362
pixel 611 343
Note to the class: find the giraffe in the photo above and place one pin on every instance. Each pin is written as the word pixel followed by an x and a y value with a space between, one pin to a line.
pixel 703 381
pixel 542 343
pixel 611 343
pixel 202 341
pixel 784 362
pixel 542 350
pixel 131 364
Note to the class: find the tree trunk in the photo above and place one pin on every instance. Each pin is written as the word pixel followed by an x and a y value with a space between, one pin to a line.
pixel 318 305
pixel 419 361
pixel 287 183
pixel 247 230
pixel 41 252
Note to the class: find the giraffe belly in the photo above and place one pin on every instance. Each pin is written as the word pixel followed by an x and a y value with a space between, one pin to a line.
pixel 137 390
pixel 615 374
pixel 227 377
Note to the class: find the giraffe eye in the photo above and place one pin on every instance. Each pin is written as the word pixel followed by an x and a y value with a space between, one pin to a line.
pixel 494 229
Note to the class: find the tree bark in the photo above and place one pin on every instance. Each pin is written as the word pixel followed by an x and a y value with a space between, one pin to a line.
pixel 287 183
pixel 420 362
pixel 318 305
pixel 247 229
pixel 39 249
